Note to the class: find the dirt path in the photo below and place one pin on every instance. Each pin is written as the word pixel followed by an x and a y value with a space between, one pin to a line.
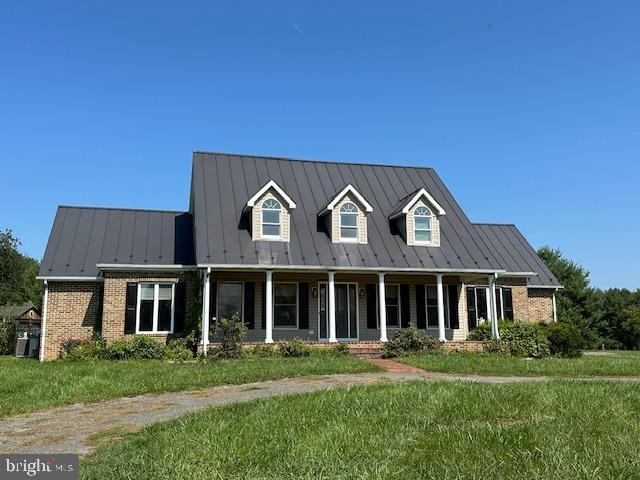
pixel 81 428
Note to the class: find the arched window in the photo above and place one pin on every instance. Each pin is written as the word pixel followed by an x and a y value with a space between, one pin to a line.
pixel 422 225
pixel 349 222
pixel 271 210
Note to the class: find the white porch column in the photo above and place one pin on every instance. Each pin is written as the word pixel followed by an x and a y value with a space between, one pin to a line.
pixel 440 291
pixel 555 311
pixel 382 307
pixel 268 291
pixel 43 330
pixel 332 307
pixel 493 310
pixel 206 289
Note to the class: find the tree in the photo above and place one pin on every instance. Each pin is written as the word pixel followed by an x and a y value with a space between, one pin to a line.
pixel 577 302
pixel 18 272
pixel 629 329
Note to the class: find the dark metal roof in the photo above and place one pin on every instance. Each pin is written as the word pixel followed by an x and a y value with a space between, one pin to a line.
pixel 83 237
pixel 222 184
pixel 24 308
pixel 515 253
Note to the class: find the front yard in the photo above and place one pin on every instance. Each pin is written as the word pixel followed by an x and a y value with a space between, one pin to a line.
pixel 592 363
pixel 28 385
pixel 559 429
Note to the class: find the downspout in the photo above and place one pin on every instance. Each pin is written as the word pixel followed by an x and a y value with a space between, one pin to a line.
pixel 43 330
pixel 555 310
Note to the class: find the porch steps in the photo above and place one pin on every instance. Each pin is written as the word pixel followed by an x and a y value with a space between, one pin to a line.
pixel 366 350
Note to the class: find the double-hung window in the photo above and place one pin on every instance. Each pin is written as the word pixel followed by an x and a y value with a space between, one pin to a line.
pixel 432 306
pixel 230 300
pixel 392 304
pixel 271 218
pixel 349 222
pixel 155 308
pixel 422 225
pixel 285 305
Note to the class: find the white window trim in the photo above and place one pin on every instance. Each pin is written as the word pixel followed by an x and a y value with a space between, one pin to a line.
pixel 423 193
pixel 445 295
pixel 357 227
pixel 499 298
pixel 355 284
pixel 430 230
pixel 263 223
pixel 156 303
pixel 273 307
pixel 271 185
pixel 218 299
pixel 350 189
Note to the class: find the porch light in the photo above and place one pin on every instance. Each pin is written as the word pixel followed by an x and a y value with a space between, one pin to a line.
pixel 361 292
pixel 314 292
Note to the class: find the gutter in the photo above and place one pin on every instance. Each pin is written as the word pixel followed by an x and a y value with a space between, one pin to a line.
pixel 322 268
pixel 70 278
pixel 126 267
pixel 43 330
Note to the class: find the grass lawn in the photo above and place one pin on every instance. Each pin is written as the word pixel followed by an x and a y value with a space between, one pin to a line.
pixel 609 364
pixel 441 430
pixel 30 385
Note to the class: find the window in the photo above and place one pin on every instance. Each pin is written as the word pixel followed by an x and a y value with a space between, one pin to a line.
pixel 229 300
pixel 349 222
pixel 271 210
pixel 432 306
pixel 155 308
pixel 285 305
pixel 392 303
pixel 422 225
pixel 477 304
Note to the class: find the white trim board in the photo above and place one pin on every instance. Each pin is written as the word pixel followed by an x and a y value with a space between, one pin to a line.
pixel 271 184
pixel 349 189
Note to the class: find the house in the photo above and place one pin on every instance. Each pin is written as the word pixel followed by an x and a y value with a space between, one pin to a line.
pixel 323 251
pixel 27 317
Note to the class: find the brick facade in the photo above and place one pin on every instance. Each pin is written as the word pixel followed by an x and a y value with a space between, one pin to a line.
pixel 72 311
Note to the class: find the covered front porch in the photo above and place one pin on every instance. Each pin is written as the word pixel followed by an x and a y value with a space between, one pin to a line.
pixel 341 306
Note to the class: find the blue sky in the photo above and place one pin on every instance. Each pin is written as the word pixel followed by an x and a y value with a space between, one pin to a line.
pixel 529 111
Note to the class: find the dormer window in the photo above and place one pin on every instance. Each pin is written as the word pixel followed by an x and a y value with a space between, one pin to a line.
pixel 271 220
pixel 349 222
pixel 422 225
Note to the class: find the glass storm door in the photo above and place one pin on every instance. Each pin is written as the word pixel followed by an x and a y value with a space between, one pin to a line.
pixel 346 311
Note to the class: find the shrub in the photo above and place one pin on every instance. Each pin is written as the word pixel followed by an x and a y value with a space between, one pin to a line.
pixel 265 350
pixel 340 348
pixel 565 339
pixel 520 340
pixel 177 350
pixel 7 331
pixel 233 333
pixel 482 332
pixel 75 349
pixel 294 348
pixel 409 341
pixel 144 347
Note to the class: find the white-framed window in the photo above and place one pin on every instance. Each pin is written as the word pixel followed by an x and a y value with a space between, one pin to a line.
pixel 271 218
pixel 155 310
pixel 285 305
pixel 431 298
pixel 230 300
pixel 349 222
pixel 392 304
pixel 422 231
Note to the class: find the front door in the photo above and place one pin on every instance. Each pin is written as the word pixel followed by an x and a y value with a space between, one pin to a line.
pixel 346 311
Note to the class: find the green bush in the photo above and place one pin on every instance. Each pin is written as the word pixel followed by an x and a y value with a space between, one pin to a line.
pixel 520 340
pixel 74 349
pixel 341 348
pixel 233 333
pixel 178 351
pixel 7 331
pixel 409 341
pixel 482 332
pixel 136 347
pixel 565 339
pixel 265 350
pixel 294 348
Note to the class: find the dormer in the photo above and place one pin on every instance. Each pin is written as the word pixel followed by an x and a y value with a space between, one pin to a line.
pixel 270 213
pixel 345 217
pixel 417 218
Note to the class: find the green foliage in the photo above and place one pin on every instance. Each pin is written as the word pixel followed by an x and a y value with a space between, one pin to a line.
pixel 294 348
pixel 7 331
pixel 265 350
pixel 564 339
pixel 232 336
pixel 519 340
pixel 139 347
pixel 630 327
pixel 482 332
pixel 409 341
pixel 177 350
pixel 340 348
pixel 18 272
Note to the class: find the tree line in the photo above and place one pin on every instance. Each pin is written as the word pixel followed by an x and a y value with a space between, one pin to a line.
pixel 606 318
pixel 18 272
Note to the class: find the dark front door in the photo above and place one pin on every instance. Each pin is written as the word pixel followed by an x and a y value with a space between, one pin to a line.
pixel 346 311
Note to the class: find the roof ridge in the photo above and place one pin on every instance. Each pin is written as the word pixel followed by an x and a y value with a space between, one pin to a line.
pixel 123 209
pixel 495 224
pixel 307 160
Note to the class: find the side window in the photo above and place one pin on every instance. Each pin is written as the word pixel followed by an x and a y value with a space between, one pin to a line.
pixel 229 300
pixel 392 303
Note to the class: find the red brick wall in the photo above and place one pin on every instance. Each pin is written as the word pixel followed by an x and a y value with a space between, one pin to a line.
pixel 72 310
